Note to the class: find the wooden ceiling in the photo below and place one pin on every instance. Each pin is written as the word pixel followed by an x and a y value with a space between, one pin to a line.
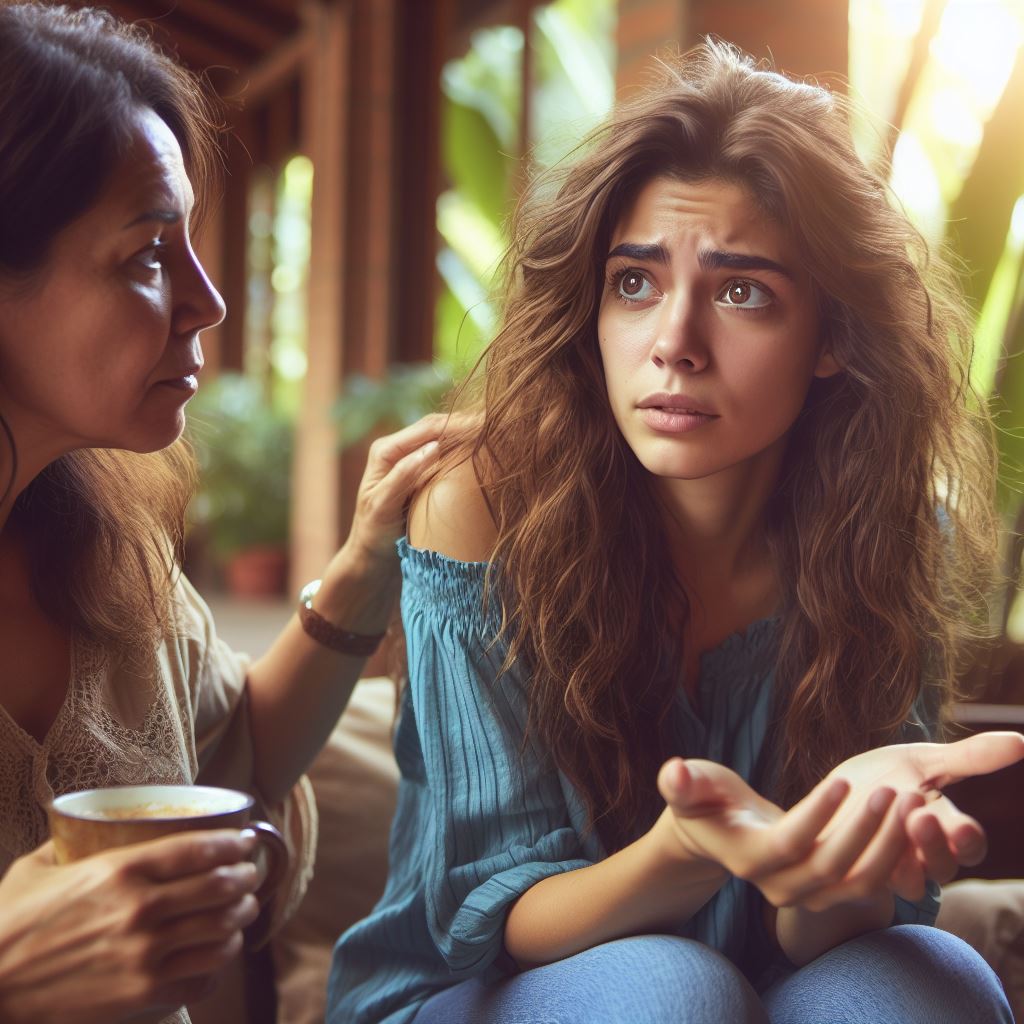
pixel 225 38
pixel 232 38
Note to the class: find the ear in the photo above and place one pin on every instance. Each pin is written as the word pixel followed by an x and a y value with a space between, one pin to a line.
pixel 826 365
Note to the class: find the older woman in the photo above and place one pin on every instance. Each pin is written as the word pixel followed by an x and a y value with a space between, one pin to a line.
pixel 112 670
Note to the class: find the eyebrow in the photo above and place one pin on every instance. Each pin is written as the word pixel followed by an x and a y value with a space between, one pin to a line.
pixel 656 253
pixel 707 259
pixel 163 216
pixel 714 259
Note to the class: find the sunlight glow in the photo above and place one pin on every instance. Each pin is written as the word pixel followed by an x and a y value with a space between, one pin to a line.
pixel 977 42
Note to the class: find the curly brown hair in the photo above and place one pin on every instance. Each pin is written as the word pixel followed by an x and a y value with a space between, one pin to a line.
pixel 881 525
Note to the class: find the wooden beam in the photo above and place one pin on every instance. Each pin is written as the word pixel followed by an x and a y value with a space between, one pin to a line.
pixel 196 44
pixel 284 62
pixel 228 20
pixel 372 169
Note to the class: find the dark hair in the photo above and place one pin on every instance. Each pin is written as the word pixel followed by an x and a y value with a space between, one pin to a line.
pixel 68 82
pixel 104 527
pixel 882 523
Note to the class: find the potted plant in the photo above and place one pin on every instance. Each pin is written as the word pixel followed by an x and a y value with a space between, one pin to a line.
pixel 244 447
pixel 404 393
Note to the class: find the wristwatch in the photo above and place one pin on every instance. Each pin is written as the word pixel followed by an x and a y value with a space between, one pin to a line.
pixel 323 632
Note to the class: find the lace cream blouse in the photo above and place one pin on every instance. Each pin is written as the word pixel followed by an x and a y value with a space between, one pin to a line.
pixel 179 716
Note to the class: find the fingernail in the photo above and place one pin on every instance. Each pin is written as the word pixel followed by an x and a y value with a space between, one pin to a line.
pixel 248 838
pixel 838 789
pixel 910 802
pixel 429 450
pixel 243 913
pixel 970 845
pixel 880 800
pixel 244 876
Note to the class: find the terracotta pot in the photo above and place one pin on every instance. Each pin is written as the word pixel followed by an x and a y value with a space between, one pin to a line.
pixel 257 572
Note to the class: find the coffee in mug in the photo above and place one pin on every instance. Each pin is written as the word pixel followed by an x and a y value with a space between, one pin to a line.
pixel 92 820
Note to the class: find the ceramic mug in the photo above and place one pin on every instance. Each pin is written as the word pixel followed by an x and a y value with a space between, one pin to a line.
pixel 92 820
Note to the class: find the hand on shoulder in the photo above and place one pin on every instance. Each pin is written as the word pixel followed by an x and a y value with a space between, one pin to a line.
pixel 451 516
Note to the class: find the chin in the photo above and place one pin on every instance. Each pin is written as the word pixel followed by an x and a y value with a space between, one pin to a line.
pixel 680 469
pixel 672 463
pixel 154 437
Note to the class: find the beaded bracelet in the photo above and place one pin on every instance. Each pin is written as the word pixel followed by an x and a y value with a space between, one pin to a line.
pixel 323 632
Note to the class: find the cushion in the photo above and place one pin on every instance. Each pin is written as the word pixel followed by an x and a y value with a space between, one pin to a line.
pixel 989 915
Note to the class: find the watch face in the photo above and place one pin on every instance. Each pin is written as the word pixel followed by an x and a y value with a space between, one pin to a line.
pixel 308 592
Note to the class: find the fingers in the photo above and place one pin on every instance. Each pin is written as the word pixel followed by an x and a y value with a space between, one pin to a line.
pixel 907 878
pixel 857 860
pixel 976 755
pixel 693 788
pixel 884 854
pixel 816 869
pixel 945 838
pixel 804 822
pixel 186 853
pixel 678 786
pixel 395 485
pixel 933 853
pixel 210 890
pixel 391 449
pixel 836 855
pixel 214 927
pixel 200 961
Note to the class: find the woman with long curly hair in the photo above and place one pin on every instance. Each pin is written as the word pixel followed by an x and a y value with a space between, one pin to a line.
pixel 683 617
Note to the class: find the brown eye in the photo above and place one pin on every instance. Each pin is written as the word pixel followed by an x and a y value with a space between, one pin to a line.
pixel 739 292
pixel 747 295
pixel 632 283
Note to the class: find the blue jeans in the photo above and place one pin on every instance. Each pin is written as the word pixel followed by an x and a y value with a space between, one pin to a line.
pixel 909 974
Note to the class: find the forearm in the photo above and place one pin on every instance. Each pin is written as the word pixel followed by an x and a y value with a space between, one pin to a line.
pixel 645 887
pixel 804 934
pixel 300 687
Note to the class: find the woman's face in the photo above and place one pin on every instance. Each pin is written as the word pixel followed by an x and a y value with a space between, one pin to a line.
pixel 707 328
pixel 101 348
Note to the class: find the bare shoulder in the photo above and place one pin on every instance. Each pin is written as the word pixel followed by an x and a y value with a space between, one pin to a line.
pixel 450 516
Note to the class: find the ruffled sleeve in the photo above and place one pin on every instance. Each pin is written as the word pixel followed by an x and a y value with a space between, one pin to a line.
pixel 501 817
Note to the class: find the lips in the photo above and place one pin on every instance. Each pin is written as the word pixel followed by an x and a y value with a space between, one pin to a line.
pixel 186 380
pixel 666 413
pixel 678 404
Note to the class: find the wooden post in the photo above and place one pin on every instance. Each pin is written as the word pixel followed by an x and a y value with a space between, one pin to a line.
pixel 424 34
pixel 316 468
pixel 371 124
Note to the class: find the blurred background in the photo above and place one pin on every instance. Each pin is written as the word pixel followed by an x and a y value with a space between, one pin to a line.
pixel 374 150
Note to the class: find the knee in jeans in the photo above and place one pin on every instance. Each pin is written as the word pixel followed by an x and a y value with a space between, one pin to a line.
pixel 685 982
pixel 951 971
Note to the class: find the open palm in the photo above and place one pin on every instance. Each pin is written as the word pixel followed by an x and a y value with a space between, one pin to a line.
pixel 877 821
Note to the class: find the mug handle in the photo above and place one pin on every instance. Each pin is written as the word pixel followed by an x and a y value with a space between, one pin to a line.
pixel 273 845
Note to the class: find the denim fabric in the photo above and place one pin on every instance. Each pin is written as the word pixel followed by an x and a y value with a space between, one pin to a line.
pixel 910 974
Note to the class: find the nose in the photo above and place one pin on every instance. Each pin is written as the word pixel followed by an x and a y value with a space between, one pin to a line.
pixel 680 343
pixel 197 304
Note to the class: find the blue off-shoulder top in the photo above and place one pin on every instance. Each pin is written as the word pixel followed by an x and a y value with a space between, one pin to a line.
pixel 481 818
